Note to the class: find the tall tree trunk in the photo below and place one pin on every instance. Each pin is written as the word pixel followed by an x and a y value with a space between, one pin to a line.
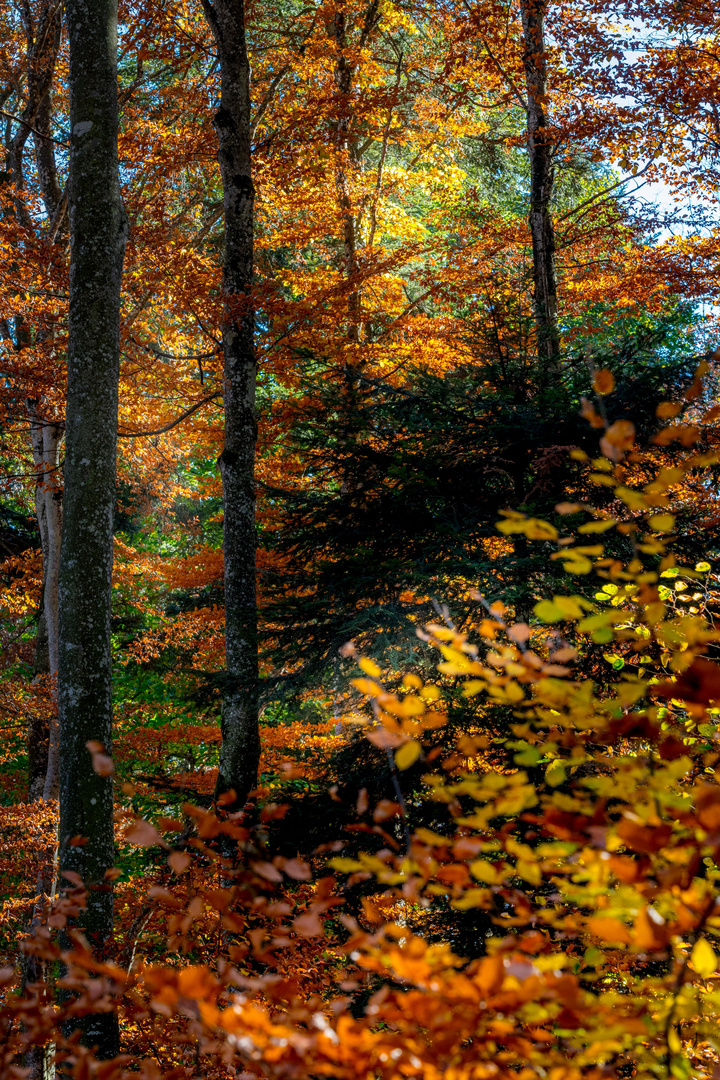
pixel 46 437
pixel 344 71
pixel 240 752
pixel 542 177
pixel 98 228
pixel 345 151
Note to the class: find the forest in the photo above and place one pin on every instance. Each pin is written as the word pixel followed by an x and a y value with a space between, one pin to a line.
pixel 360 540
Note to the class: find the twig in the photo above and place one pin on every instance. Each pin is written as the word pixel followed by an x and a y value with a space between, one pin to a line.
pixel 172 423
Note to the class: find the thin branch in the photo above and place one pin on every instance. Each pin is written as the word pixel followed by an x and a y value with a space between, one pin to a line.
pixel 25 124
pixel 173 423
pixel 383 154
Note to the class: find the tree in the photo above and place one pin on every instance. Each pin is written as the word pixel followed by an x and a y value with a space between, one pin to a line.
pixel 98 229
pixel 542 170
pixel 241 740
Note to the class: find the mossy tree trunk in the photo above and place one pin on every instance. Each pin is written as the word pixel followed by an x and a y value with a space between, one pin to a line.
pixel 240 752
pixel 542 179
pixel 98 227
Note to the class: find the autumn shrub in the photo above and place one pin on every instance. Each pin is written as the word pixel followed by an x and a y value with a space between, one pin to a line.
pixel 537 901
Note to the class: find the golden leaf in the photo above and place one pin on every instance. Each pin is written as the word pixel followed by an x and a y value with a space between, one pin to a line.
pixel 407 754
pixel 703 958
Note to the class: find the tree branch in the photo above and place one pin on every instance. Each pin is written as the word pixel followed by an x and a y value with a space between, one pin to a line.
pixel 172 423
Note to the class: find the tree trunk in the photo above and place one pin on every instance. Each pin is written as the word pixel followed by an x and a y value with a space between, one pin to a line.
pixel 98 228
pixel 542 177
pixel 344 71
pixel 46 437
pixel 345 153
pixel 240 752
pixel 39 723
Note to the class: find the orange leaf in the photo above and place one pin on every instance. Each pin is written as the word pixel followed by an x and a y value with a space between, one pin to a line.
pixel 491 971
pixel 604 382
pixel 618 439
pixel 610 930
pixel 101 762
pixel 647 933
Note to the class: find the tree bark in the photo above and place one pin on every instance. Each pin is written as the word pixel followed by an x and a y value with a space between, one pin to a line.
pixel 39 722
pixel 542 178
pixel 46 437
pixel 42 35
pixel 344 153
pixel 98 228
pixel 240 751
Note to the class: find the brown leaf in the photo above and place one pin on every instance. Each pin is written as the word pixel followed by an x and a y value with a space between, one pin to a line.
pixel 308 925
pixel 645 838
pixel 297 869
pixel 707 801
pixel 102 763
pixel 179 861
pixel 386 809
pixel 267 870
pixel 700 684
pixel 144 834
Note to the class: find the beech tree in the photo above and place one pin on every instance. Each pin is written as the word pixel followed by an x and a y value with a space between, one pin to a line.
pixel 98 229
pixel 240 752
pixel 542 176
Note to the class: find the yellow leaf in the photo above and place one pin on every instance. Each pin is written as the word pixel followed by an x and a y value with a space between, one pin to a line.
pixel 540 530
pixel 703 958
pixel 662 522
pixel 635 500
pixel 485 871
pixel 548 612
pixel 367 686
pixel 345 866
pixel 529 871
pixel 407 754
pixel 555 773
pixel 597 526
pixel 667 409
pixel 369 667
pixel 513 692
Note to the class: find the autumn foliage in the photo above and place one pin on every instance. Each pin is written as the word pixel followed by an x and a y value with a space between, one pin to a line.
pixel 485 838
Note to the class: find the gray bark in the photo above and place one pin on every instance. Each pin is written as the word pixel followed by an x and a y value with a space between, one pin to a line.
pixel 345 152
pixel 42 25
pixel 98 228
pixel 240 751
pixel 46 437
pixel 39 723
pixel 542 178
pixel 42 35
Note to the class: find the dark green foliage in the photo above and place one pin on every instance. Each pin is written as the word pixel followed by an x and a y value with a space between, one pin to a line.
pixel 408 481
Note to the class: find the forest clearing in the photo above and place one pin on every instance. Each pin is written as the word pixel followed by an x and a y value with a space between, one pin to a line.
pixel 360 540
